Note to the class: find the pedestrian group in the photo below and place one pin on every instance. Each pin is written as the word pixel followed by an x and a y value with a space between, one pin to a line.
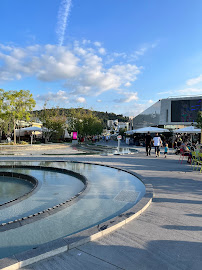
pixel 157 142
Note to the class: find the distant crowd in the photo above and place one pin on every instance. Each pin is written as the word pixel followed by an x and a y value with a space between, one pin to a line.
pixel 185 147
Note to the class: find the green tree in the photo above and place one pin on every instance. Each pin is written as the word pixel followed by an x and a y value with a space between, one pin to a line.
pixel 75 120
pixel 122 131
pixel 84 122
pixel 15 105
pixel 54 121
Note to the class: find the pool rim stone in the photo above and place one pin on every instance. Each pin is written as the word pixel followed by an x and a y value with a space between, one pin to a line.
pixel 21 176
pixel 12 224
pixel 61 245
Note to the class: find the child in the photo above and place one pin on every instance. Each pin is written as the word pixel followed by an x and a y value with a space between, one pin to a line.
pixel 166 150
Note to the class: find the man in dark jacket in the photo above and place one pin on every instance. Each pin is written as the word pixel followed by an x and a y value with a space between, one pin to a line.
pixel 148 141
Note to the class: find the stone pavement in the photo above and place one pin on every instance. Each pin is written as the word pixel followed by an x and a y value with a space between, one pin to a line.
pixel 38 149
pixel 168 235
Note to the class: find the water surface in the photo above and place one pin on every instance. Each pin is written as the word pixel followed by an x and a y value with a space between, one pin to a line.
pixel 12 188
pixel 110 193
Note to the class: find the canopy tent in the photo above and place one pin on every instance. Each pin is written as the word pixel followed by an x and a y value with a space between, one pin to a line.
pixel 151 130
pixel 22 131
pixel 189 129
pixel 31 129
pixel 130 132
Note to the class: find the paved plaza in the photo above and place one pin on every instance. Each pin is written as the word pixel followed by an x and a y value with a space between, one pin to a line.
pixel 168 235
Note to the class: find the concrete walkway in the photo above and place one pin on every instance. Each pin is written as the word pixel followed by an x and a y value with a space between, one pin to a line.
pixel 168 235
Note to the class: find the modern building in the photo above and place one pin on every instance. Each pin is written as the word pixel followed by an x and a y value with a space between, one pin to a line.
pixel 173 112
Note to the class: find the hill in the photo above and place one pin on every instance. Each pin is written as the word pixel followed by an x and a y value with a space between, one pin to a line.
pixel 104 116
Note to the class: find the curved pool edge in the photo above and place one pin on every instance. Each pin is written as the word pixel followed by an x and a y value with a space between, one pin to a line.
pixel 61 245
pixel 13 224
pixel 24 177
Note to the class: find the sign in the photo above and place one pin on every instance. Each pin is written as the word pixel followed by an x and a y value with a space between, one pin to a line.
pixel 74 135
pixel 119 137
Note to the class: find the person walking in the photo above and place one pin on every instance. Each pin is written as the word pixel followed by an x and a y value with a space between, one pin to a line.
pixel 157 143
pixel 148 141
pixel 166 150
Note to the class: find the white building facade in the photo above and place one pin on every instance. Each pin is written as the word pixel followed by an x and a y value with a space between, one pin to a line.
pixel 170 113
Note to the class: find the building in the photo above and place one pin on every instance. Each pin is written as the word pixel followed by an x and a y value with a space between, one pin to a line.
pixel 115 125
pixel 170 113
pixel 124 125
pixel 112 123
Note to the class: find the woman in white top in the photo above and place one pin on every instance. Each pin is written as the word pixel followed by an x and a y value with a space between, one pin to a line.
pixel 157 143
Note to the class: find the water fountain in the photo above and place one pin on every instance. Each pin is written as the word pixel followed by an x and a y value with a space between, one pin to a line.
pixel 66 198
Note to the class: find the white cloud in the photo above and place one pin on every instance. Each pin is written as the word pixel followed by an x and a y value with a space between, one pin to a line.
pixel 136 108
pixel 186 91
pixel 80 69
pixel 95 78
pixel 15 63
pixel 80 51
pixel 102 51
pixel 63 14
pixel 85 41
pixel 5 47
pixel 127 72
pixel 5 76
pixel 81 100
pixel 127 84
pixel 18 53
pixel 142 50
pixel 99 100
pixel 98 44
pixel 194 81
pixel 123 55
pixel 60 97
pixel 58 65
pixel 127 97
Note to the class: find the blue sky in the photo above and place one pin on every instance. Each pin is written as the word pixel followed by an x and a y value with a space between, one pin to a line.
pixel 118 56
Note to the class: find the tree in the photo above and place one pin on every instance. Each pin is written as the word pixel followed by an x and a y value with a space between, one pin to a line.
pixel 54 121
pixel 15 105
pixel 75 120
pixel 199 122
pixel 122 131
pixel 91 124
pixel 85 122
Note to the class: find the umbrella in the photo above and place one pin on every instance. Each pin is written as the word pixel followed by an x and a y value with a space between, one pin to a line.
pixel 190 129
pixel 31 129
pixel 151 130
pixel 22 130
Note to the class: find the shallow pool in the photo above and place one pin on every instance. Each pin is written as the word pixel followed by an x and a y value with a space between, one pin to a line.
pixel 110 192
pixel 12 188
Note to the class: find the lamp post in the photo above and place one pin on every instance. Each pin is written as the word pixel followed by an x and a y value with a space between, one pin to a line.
pixel 119 137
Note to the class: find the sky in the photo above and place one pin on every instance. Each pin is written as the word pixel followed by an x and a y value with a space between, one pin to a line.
pixel 117 56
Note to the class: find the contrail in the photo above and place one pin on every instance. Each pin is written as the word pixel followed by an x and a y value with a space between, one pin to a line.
pixel 63 14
